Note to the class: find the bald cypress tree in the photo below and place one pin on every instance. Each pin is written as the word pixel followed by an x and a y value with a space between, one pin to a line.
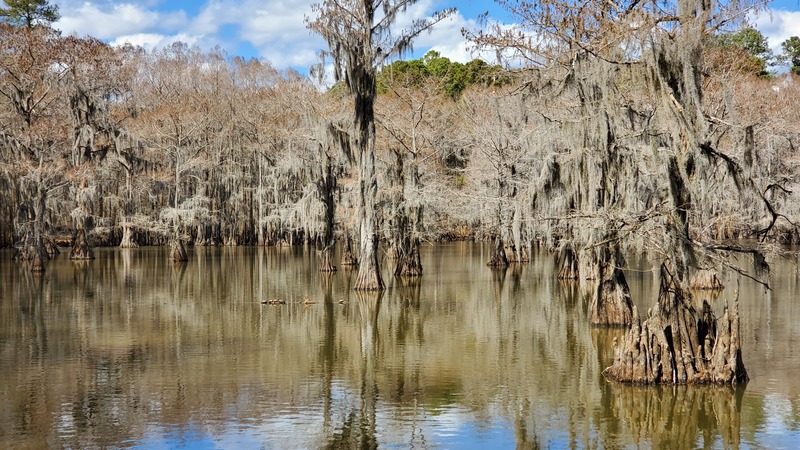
pixel 360 38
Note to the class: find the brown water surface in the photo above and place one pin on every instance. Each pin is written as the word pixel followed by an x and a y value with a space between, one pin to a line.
pixel 130 350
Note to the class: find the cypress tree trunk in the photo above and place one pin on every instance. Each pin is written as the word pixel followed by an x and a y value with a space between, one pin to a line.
pixel 81 250
pixel 369 274
pixel 33 249
pixel 348 258
pixel 676 344
pixel 178 249
pixel 569 266
pixel 326 188
pixel 612 306
pixel 498 259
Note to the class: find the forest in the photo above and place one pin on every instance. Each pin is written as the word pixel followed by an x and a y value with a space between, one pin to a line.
pixel 656 130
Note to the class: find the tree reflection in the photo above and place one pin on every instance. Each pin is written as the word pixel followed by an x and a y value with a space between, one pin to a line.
pixel 678 416
pixel 359 430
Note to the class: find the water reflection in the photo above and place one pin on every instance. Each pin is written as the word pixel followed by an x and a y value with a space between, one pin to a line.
pixel 132 350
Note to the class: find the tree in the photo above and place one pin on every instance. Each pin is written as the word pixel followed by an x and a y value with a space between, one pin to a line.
pixel 359 43
pixel 791 53
pixel 28 13
pixel 753 55
pixel 629 109
pixel 32 137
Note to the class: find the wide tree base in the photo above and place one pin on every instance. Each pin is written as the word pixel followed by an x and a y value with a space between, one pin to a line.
pixel 128 240
pixel 178 251
pixel 81 249
pixel 612 305
pixel 678 345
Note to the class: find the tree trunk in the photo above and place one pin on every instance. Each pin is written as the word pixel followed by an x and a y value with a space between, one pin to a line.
pixel 678 345
pixel 33 249
pixel 569 266
pixel 611 306
pixel 81 250
pixel 326 260
pixel 369 274
pixel 499 259
pixel 178 250
pixel 127 237
pixel 348 258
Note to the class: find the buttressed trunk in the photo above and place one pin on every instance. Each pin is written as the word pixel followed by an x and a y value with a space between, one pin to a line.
pixel 611 306
pixel 677 344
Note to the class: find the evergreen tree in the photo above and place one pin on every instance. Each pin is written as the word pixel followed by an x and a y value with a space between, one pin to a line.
pixel 29 12
pixel 791 53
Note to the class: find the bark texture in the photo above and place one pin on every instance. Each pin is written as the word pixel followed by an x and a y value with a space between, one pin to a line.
pixel 498 259
pixel 706 279
pixel 569 266
pixel 612 306
pixel 677 344
pixel 81 250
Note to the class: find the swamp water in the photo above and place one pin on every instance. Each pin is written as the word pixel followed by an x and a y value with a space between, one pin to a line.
pixel 130 350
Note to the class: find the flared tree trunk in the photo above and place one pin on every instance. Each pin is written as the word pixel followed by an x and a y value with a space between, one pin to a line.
pixel 33 249
pixel 81 250
pixel 569 266
pixel 128 240
pixel 178 250
pixel 369 273
pixel 611 305
pixel 348 258
pixel 676 344
pixel 498 259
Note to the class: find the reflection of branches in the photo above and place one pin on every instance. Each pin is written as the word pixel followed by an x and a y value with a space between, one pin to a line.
pixel 674 417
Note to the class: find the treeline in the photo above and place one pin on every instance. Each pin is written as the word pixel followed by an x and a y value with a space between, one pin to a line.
pixel 121 146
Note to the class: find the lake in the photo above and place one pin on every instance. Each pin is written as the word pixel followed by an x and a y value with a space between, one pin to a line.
pixel 131 350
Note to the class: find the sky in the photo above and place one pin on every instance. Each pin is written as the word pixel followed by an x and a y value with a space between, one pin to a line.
pixel 275 29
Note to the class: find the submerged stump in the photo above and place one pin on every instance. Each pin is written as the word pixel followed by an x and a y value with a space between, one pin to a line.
pixel 676 344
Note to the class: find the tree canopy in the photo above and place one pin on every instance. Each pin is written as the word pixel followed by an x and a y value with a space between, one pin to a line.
pixel 28 13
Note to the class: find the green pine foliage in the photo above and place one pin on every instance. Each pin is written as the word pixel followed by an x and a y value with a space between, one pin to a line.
pixel 28 13
pixel 451 77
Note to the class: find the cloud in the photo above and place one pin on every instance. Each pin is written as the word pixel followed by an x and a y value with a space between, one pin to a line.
pixel 109 21
pixel 777 25
pixel 151 41
pixel 274 30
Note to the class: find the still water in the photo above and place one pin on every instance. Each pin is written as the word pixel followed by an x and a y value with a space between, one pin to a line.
pixel 130 350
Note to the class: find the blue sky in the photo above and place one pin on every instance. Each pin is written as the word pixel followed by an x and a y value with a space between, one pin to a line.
pixel 275 29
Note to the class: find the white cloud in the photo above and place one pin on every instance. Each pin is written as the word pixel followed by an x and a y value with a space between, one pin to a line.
pixel 111 20
pixel 777 26
pixel 274 30
pixel 152 40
